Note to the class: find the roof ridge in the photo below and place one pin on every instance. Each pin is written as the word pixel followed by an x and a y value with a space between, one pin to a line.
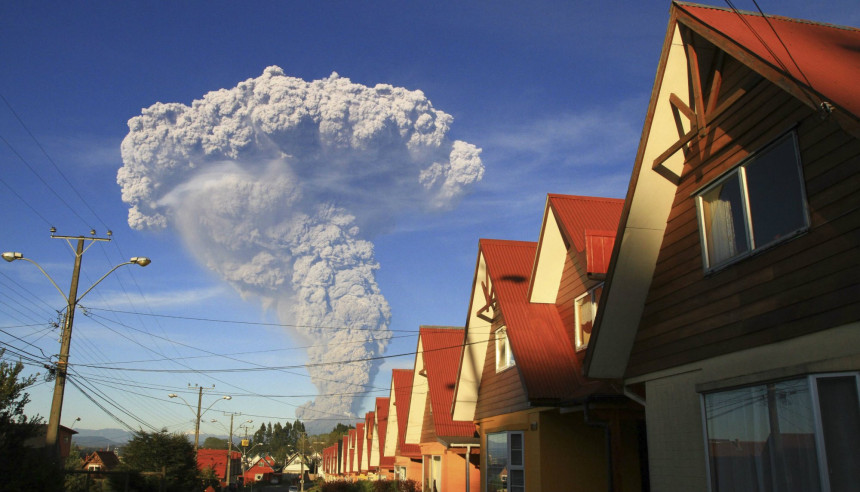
pixel 585 197
pixel 750 13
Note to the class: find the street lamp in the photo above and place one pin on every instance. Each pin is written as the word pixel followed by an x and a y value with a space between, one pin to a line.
pixel 199 413
pixel 72 301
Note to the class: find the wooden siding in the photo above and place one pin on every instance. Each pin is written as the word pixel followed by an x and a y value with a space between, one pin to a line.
pixel 428 430
pixel 574 283
pixel 502 392
pixel 804 285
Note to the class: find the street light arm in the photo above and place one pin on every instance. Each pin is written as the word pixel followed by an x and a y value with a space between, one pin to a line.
pixel 46 275
pixel 214 402
pixel 174 395
pixel 134 261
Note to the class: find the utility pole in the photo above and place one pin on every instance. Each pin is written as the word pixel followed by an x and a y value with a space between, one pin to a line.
pixel 63 362
pixel 197 423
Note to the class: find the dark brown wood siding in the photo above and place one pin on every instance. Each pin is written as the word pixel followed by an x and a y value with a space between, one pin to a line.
pixel 502 392
pixel 803 285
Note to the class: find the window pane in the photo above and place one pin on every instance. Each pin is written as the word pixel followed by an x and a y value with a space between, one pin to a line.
pixel 723 214
pixel 497 462
pixel 585 317
pixel 775 193
pixel 516 450
pixel 762 438
pixel 840 420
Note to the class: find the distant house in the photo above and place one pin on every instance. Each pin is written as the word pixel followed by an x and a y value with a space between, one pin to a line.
pixel 449 448
pixel 262 470
pixel 216 459
pixel 732 301
pixel 385 462
pixel 407 457
pixel 100 461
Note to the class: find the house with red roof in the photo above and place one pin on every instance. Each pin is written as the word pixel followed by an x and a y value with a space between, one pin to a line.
pixel 406 457
pixel 360 444
pixel 385 463
pixel 731 306
pixel 216 459
pixel 263 470
pixel 449 448
pixel 368 464
pixel 519 376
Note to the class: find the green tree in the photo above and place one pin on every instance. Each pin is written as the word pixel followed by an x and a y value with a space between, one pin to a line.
pixel 213 442
pixel 149 452
pixel 22 463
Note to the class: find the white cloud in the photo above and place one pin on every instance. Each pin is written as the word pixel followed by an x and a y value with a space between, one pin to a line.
pixel 278 185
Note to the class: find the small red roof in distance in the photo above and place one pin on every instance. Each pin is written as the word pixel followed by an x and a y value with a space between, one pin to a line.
pixel 381 428
pixel 215 459
pixel 828 55
pixel 577 214
pixel 542 348
pixel 402 381
pixel 442 347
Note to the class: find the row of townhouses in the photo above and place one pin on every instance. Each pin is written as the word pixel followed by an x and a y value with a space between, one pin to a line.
pixel 701 334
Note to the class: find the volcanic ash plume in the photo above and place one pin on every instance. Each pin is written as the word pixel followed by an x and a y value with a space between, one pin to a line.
pixel 279 184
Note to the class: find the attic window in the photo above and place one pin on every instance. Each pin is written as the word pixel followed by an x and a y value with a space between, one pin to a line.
pixel 758 204
pixel 504 355
pixel 586 310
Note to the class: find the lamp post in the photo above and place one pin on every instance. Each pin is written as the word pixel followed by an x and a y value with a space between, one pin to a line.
pixel 199 413
pixel 72 301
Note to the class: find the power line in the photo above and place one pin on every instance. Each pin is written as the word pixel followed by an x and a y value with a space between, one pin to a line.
pixel 258 323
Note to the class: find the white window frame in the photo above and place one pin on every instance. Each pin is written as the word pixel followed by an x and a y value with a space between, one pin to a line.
pixel 740 170
pixel 503 342
pixel 812 381
pixel 589 295
pixel 509 452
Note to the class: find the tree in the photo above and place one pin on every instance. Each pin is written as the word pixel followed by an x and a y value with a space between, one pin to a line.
pixel 213 442
pixel 156 451
pixel 22 464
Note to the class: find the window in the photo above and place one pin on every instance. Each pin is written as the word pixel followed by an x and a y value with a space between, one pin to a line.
pixel 504 355
pixel 432 473
pixel 400 473
pixel 586 310
pixel 505 462
pixel 757 204
pixel 785 436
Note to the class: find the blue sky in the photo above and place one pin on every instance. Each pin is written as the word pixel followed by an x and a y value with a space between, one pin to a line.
pixel 554 93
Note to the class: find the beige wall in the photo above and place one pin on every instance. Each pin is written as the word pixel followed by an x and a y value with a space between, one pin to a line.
pixel 562 452
pixel 676 441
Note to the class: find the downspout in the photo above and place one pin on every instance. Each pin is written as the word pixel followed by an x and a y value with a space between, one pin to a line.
pixel 468 462
pixel 607 435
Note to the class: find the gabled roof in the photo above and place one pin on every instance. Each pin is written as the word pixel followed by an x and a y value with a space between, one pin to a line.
pixel 829 59
pixel 441 356
pixel 109 459
pixel 826 58
pixel 215 459
pixel 544 356
pixel 381 413
pixel 579 225
pixel 401 390
pixel 360 444
pixel 436 361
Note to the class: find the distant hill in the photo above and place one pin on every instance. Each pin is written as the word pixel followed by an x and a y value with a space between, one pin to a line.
pixel 101 438
pixel 104 438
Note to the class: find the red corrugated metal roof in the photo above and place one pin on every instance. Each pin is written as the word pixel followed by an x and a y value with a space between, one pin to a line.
pixel 382 426
pixel 402 381
pixel 828 55
pixel 359 445
pixel 441 355
pixel 576 214
pixel 542 349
